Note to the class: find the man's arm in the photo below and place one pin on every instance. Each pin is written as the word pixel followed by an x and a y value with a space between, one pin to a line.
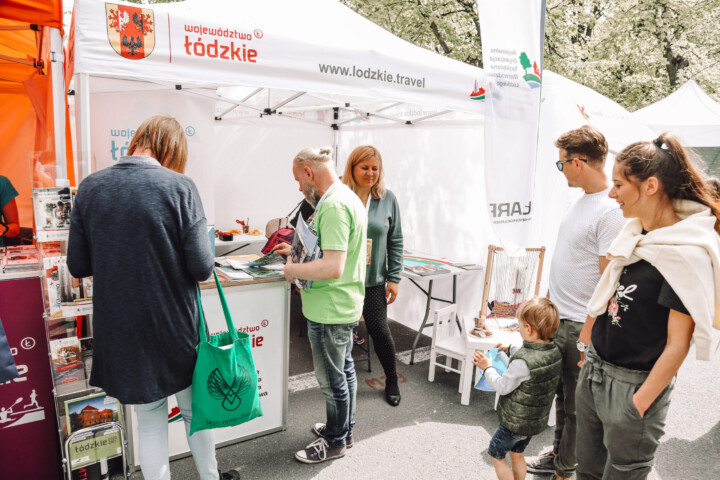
pixel 330 266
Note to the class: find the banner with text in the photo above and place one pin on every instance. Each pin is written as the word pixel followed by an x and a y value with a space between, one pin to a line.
pixel 512 34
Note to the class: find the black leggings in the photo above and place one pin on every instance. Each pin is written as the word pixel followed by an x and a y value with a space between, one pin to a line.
pixel 375 314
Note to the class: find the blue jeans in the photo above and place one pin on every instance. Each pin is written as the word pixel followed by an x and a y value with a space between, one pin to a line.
pixel 335 371
pixel 152 420
pixel 505 441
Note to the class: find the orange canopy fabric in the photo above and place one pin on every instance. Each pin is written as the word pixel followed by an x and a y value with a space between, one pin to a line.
pixel 26 106
pixel 39 12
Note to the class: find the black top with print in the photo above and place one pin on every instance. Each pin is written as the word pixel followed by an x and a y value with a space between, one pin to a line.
pixel 633 331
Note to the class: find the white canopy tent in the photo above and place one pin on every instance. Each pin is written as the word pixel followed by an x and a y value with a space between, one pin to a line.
pixel 692 115
pixel 689 112
pixel 429 131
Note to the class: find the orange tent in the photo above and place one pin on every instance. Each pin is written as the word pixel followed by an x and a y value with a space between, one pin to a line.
pixel 26 100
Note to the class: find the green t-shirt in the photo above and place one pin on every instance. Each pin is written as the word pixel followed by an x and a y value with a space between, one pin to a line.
pixel 341 224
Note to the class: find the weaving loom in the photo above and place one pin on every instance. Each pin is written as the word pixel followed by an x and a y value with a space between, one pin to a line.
pixel 509 281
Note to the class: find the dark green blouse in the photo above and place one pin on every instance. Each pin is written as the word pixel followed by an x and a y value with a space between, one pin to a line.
pixel 385 241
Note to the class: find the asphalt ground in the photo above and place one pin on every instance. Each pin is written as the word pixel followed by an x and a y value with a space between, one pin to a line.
pixel 431 436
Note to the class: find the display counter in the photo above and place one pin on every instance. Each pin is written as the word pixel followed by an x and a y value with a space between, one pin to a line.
pixel 28 430
pixel 259 308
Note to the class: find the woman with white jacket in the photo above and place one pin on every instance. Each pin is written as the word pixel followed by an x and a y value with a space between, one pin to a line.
pixel 660 290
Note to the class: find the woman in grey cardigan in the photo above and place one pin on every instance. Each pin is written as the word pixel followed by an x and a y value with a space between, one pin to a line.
pixel 139 229
pixel 364 174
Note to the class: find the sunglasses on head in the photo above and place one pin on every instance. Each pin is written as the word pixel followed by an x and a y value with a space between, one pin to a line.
pixel 561 163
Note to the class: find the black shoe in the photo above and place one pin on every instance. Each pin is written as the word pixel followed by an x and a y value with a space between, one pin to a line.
pixel 319 451
pixel 319 430
pixel 393 400
pixel 233 474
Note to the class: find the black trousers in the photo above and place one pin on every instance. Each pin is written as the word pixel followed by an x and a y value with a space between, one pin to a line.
pixel 375 314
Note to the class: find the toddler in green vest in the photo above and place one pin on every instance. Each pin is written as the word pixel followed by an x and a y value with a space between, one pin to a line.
pixel 527 388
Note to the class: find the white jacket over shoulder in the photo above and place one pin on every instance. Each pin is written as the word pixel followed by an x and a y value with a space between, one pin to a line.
pixel 687 255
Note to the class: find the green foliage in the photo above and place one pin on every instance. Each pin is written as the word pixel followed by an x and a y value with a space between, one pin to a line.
pixel 634 51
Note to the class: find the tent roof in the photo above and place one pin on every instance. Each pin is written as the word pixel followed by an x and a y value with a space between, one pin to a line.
pixel 689 112
pixel 39 12
pixel 320 46
pixel 19 42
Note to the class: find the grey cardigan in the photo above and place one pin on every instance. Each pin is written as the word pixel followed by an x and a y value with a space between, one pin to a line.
pixel 140 230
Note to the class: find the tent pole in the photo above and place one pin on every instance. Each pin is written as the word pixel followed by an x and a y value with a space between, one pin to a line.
pixel 82 124
pixel 57 59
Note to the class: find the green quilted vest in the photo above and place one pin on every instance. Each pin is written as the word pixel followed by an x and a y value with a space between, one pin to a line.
pixel 525 410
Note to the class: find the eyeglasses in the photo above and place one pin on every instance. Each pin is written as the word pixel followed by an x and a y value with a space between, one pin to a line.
pixel 560 163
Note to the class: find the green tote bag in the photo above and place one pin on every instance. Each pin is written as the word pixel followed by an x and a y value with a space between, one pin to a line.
pixel 225 382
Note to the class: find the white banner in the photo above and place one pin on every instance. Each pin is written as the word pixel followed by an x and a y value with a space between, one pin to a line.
pixel 512 34
pixel 260 310
pixel 319 46
pixel 115 116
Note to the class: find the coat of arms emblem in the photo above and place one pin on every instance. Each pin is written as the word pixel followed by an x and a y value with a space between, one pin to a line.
pixel 131 30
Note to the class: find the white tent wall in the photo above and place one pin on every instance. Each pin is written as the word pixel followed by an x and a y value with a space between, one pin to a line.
pixel 435 171
pixel 116 114
pixel 252 162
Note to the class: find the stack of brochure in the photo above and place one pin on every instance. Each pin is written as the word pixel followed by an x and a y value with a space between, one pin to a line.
pixel 23 258
pixel 246 267
pixel 305 248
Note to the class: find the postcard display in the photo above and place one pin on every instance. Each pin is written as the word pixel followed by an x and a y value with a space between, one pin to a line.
pixel 90 423
pixel 261 308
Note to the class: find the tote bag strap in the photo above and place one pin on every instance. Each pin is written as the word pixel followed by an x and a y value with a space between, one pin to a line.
pixel 226 311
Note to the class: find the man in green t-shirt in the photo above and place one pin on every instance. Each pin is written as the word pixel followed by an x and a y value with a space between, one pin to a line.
pixel 333 303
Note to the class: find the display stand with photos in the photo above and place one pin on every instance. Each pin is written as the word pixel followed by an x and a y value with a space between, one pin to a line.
pixel 90 423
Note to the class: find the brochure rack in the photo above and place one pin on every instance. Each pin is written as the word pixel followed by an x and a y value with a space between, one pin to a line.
pixel 90 424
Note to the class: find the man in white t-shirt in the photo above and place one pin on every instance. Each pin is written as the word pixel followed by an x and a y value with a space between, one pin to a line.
pixel 585 235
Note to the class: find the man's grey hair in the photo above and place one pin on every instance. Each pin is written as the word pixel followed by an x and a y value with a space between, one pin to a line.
pixel 314 156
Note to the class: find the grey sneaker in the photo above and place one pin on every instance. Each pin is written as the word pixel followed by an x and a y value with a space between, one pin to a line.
pixel 319 451
pixel 543 463
pixel 319 430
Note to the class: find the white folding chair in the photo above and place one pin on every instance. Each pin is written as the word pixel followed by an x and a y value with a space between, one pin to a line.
pixel 447 341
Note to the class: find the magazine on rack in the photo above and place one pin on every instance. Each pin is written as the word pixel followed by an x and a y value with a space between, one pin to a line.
pixel 68 371
pixel 305 248
pixel 94 445
pixel 51 207
pixel 67 295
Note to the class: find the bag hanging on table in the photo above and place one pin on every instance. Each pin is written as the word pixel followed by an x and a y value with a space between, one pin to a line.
pixel 225 382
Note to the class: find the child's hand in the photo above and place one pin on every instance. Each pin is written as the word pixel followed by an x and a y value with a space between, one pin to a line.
pixel 481 360
pixel 501 347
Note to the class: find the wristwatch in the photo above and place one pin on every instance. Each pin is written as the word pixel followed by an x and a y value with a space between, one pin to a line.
pixel 581 346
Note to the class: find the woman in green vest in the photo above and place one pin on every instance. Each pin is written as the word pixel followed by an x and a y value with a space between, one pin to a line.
pixel 364 175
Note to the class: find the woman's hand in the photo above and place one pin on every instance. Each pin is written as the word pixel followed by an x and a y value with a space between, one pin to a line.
pixel 391 292
pixel 481 360
pixel 639 404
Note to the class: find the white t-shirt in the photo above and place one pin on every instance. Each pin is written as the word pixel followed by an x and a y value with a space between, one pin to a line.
pixel 586 233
